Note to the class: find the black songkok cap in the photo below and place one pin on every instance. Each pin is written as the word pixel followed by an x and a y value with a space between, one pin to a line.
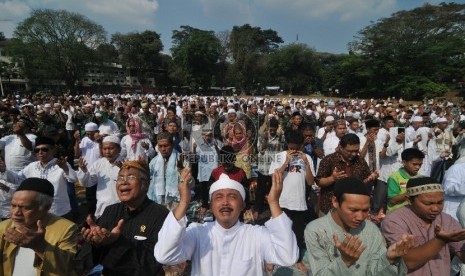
pixel 423 185
pixel 40 185
pixel 44 141
pixel 372 123
pixel 351 185
pixel 295 113
pixel 26 121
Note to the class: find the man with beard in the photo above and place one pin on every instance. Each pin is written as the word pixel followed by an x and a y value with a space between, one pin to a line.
pixel 437 235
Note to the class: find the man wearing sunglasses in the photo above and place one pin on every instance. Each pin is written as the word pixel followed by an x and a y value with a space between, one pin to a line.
pixel 51 167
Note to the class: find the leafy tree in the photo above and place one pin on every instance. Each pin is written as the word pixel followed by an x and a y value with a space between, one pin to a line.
pixel 294 67
pixel 2 36
pixel 140 52
pixel 247 44
pixel 56 45
pixel 426 42
pixel 195 55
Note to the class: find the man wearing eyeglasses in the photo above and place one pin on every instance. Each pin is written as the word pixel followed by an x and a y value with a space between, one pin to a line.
pixel 126 233
pixel 51 167
pixel 345 162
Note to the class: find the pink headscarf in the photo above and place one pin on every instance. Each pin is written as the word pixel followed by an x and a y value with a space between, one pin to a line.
pixel 138 135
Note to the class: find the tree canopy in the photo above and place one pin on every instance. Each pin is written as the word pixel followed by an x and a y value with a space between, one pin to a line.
pixel 56 45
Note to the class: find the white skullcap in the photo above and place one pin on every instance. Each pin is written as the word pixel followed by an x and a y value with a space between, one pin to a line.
pixel 329 119
pixel 442 120
pixel 224 182
pixel 91 127
pixel 308 112
pixel 349 113
pixel 417 119
pixel 462 117
pixel 112 139
pixel 371 111
pixel 47 105
pixel 329 111
pixel 231 110
pixel 357 115
pixel 198 113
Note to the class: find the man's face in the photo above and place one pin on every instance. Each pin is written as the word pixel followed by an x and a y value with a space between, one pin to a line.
pixel 44 153
pixel 309 136
pixel 172 128
pixel 24 210
pixel 340 130
pixel 428 206
pixel 443 125
pixel 373 130
pixel 355 126
pixel 272 131
pixel 232 117
pixel 297 120
pixel 91 135
pixel 350 152
pixel 227 205
pixel 110 150
pixel 165 147
pixel 353 210
pixel 132 188
pixel 413 166
pixel 388 124
pixel 417 125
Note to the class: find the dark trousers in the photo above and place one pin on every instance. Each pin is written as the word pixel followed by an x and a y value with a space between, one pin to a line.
pixel 91 198
pixel 379 199
pixel 300 219
pixel 204 189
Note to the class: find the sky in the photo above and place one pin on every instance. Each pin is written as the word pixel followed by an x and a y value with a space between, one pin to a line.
pixel 324 25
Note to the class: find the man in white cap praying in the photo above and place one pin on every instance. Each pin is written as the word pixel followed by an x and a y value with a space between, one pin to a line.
pixel 103 173
pixel 227 246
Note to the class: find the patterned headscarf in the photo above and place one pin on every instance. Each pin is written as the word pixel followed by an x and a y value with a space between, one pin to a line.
pixel 138 135
pixel 140 165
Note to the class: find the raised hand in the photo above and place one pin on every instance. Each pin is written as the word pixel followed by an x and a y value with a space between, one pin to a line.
pixel 351 248
pixel 400 248
pixel 275 193
pixel 184 193
pixel 82 164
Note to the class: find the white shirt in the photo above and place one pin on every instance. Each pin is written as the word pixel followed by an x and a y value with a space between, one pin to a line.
pixel 293 193
pixel 53 173
pixel 109 127
pixel 330 144
pixel 5 197
pixel 241 250
pixel 208 160
pixel 24 262
pixel 16 155
pixel 454 188
pixel 90 150
pixel 103 174
pixel 127 153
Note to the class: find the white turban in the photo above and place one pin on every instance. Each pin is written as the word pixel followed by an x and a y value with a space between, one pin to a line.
pixel 91 127
pixel 112 139
pixel 224 182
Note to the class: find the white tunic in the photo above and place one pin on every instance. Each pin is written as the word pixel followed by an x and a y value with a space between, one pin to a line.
pixel 16 155
pixel 241 250
pixel 454 188
pixel 53 173
pixel 127 153
pixel 103 174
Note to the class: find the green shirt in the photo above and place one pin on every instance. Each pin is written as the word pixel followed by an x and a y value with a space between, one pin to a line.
pixel 397 185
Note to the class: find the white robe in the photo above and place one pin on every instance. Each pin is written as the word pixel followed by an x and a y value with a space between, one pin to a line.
pixel 241 250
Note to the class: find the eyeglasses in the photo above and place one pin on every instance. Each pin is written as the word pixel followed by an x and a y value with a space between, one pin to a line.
pixel 37 150
pixel 128 178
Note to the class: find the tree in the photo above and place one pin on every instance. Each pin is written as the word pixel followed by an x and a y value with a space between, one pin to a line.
pixel 295 68
pixel 195 55
pixel 247 44
pixel 2 36
pixel 140 52
pixel 426 42
pixel 56 45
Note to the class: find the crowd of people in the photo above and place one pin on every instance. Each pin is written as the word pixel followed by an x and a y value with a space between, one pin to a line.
pixel 227 185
